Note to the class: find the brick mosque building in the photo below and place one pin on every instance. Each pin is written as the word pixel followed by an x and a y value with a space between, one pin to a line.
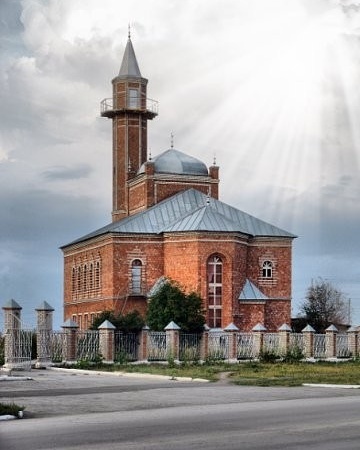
pixel 167 221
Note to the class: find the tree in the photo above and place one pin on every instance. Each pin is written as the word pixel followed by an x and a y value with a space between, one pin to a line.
pixel 170 302
pixel 131 322
pixel 324 305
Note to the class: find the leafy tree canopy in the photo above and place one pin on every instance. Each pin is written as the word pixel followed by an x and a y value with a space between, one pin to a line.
pixel 131 322
pixel 324 305
pixel 171 302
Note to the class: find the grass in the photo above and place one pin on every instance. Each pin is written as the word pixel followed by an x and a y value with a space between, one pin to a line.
pixel 252 373
pixel 10 409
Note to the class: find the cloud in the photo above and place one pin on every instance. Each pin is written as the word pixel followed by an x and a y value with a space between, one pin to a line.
pixel 67 173
pixel 270 88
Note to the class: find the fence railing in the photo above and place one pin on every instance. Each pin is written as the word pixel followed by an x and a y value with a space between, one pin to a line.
pixel 108 345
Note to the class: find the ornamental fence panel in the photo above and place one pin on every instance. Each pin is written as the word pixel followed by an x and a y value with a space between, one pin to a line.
pixel 87 348
pixel 125 346
pixel 319 345
pixel 189 346
pixel 18 348
pixel 296 341
pixel 58 346
pixel 218 345
pixel 271 343
pixel 157 346
pixel 245 348
pixel 342 346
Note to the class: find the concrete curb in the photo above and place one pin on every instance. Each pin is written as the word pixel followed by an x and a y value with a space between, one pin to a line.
pixel 339 386
pixel 129 375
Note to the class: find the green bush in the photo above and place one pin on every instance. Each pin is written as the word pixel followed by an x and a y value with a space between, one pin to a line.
pixel 171 303
pixel 293 355
pixel 131 322
pixel 10 409
pixel 268 356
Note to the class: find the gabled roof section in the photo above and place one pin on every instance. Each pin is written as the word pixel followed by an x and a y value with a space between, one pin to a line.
pixel 251 293
pixel 190 210
pixel 129 67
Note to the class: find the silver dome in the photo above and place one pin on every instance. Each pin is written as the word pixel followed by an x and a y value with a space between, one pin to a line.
pixel 176 162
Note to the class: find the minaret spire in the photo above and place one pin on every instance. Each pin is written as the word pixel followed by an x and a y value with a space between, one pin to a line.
pixel 130 109
pixel 129 65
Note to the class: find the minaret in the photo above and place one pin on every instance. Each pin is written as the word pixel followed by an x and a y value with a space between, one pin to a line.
pixel 129 109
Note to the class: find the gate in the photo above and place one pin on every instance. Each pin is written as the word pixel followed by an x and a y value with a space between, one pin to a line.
pixel 18 345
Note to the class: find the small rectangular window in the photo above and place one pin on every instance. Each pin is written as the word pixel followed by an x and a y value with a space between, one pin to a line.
pixel 133 98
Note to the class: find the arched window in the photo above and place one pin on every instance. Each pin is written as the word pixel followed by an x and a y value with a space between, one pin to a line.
pixel 91 277
pixel 73 281
pixel 215 280
pixel 136 269
pixel 267 269
pixel 97 275
pixel 85 278
pixel 78 281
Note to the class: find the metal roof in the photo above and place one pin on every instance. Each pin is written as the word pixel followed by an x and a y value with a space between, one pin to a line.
pixel 251 292
pixel 129 66
pixel 190 210
pixel 176 162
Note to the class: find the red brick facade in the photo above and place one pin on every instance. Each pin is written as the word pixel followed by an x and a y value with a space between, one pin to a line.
pixel 181 257
pixel 116 270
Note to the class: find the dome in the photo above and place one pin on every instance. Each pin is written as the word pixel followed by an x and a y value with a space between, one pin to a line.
pixel 176 162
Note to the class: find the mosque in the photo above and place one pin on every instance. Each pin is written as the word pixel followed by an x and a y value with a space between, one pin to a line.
pixel 168 222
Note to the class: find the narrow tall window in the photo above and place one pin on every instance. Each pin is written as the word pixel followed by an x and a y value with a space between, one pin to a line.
pixel 73 281
pixel 78 281
pixel 85 276
pixel 97 275
pixel 91 277
pixel 133 98
pixel 136 269
pixel 215 279
pixel 267 269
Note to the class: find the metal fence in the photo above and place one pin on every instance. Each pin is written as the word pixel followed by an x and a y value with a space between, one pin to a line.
pixel 157 348
pixel 58 346
pixel 125 347
pixel 218 345
pixel 342 347
pixel 296 341
pixel 271 343
pixel 319 345
pixel 245 346
pixel 92 346
pixel 189 347
pixel 87 346
pixel 18 348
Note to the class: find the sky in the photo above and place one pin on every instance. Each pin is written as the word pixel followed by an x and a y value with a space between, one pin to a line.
pixel 270 88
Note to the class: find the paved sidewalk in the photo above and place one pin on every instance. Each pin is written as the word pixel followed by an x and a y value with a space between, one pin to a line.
pixel 66 391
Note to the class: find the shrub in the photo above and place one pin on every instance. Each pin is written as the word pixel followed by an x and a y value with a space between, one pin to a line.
pixel 10 409
pixel 268 356
pixel 171 302
pixel 294 354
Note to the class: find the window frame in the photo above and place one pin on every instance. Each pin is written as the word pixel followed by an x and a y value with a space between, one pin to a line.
pixel 267 269
pixel 214 276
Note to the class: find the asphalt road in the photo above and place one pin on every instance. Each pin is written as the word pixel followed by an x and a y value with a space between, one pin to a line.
pixel 81 412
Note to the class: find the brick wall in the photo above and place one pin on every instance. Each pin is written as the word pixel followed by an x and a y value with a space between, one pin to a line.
pixel 183 257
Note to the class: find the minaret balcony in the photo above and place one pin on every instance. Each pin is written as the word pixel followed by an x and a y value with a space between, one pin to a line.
pixel 149 107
